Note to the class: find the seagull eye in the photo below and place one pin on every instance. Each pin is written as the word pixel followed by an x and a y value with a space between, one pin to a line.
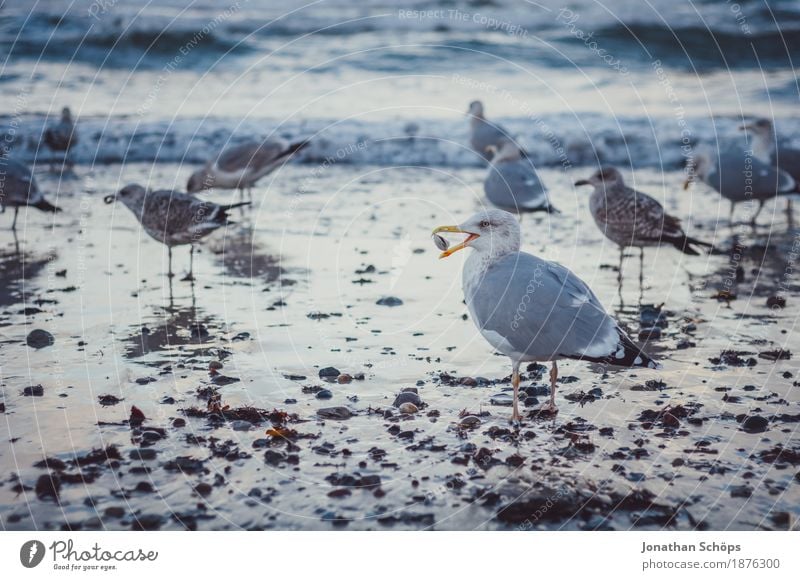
pixel 485 224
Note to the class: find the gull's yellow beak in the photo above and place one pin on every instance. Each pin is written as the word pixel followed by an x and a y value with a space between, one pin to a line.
pixel 455 230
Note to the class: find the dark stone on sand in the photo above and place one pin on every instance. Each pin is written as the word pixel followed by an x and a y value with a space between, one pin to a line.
pixel 222 380
pixel 38 338
pixel 144 487
pixel 179 422
pixel 530 401
pixel 292 377
pixel 184 465
pixel 405 435
pixel 152 436
pixel 108 400
pixel 389 301
pixel 203 489
pixel 145 454
pixel 650 333
pixel 51 463
pixel 2 407
pixel 324 394
pixel 755 424
pixel 261 443
pixel 33 391
pixel 48 486
pixel 536 391
pixel 344 379
pixel 339 413
pixel 744 491
pixel 272 457
pixel 214 365
pixel 329 373
pixel 289 401
pixel 114 512
pixel 407 397
pixel 240 425
pixel 145 380
pixel 776 302
pixel 147 522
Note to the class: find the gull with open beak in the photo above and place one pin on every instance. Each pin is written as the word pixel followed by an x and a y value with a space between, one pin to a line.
pixel 533 310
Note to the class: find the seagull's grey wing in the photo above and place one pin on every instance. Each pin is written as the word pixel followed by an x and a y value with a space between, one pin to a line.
pixel 174 212
pixel 540 310
pixel 250 155
pixel 485 133
pixel 17 184
pixel 740 176
pixel 515 186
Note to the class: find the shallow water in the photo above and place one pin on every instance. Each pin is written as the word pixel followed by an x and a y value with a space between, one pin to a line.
pixel 292 288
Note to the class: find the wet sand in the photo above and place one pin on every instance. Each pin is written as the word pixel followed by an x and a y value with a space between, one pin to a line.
pixel 226 371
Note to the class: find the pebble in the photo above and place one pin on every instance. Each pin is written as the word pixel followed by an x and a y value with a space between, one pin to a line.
pixel 407 397
pixel 440 242
pixel 39 338
pixel 33 391
pixel 179 422
pixel 502 400
pixel 241 425
pixel 145 454
pixel 389 301
pixel 344 379
pixel 324 394
pixel 469 422
pixel 408 408
pixel 338 413
pixel 653 333
pixel 755 424
pixel 329 372
pixel 203 489
pixel 273 457
pixel 114 512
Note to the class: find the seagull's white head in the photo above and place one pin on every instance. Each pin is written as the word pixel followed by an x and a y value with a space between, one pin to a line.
pixel 131 195
pixel 604 178
pixel 475 110
pixel 200 180
pixel 760 127
pixel 492 232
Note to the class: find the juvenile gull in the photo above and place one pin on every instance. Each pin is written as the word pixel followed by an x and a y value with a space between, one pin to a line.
pixel 174 218
pixel 241 166
pixel 531 309
pixel 484 133
pixel 512 183
pixel 768 149
pixel 61 137
pixel 18 188
pixel 739 176
pixel 630 218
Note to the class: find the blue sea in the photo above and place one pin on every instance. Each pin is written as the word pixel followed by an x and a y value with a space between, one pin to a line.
pixel 626 82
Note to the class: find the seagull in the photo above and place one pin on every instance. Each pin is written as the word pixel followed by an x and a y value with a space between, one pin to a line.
pixel 484 133
pixel 241 166
pixel 18 188
pixel 768 150
pixel 531 309
pixel 512 183
pixel 174 218
pixel 61 137
pixel 630 218
pixel 738 176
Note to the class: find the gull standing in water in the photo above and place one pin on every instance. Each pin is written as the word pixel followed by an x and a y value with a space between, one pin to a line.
pixel 484 133
pixel 61 137
pixel 241 166
pixel 18 188
pixel 767 148
pixel 738 176
pixel 630 218
pixel 174 218
pixel 531 309
pixel 512 183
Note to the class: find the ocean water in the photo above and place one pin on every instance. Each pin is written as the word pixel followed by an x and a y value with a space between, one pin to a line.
pixel 624 82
